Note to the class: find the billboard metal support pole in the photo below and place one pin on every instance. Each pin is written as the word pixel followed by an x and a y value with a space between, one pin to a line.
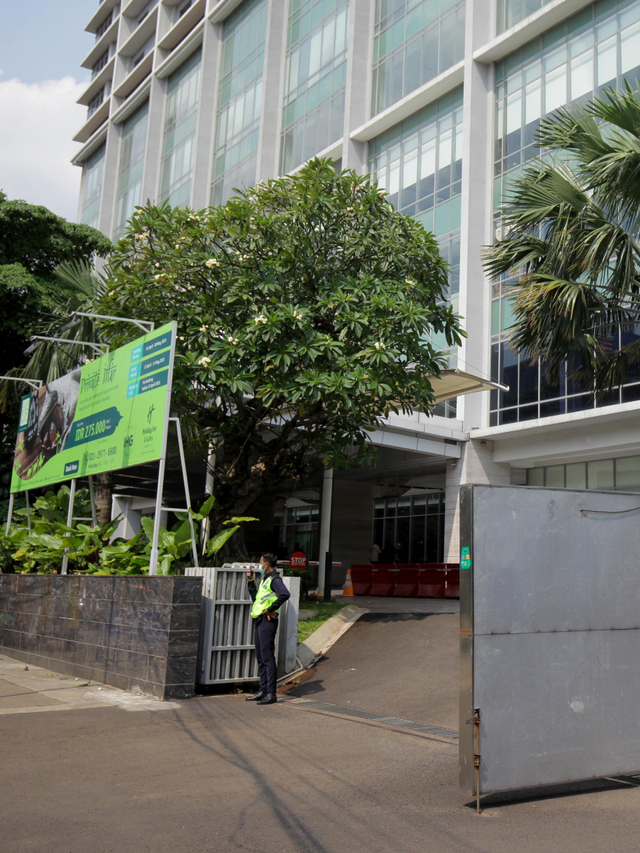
pixel 153 559
pixel 10 513
pixel 72 497
pixel 187 495
pixel 26 499
pixel 92 498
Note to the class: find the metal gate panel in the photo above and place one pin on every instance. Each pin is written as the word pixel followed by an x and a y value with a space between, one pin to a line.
pixel 226 652
pixel 550 635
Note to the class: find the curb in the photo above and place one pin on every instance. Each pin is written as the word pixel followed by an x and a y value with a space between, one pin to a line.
pixel 327 634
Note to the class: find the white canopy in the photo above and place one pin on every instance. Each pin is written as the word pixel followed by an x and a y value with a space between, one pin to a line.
pixel 453 383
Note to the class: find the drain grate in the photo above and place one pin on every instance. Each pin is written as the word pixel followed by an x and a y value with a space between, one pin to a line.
pixel 376 718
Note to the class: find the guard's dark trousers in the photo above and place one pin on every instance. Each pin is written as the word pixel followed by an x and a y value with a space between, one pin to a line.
pixel 265 640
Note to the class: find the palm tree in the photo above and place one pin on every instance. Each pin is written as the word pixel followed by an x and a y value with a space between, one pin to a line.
pixel 571 229
pixel 79 286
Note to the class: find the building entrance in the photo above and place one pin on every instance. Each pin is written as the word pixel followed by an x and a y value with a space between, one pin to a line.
pixel 410 528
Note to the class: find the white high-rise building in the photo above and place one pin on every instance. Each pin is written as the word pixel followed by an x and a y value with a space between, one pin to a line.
pixel 439 100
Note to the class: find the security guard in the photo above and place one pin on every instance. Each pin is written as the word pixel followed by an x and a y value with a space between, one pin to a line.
pixel 267 599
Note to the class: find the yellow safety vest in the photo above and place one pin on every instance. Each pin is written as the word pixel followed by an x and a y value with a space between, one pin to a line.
pixel 264 598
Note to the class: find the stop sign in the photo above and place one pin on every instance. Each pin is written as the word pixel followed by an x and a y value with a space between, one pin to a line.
pixel 298 561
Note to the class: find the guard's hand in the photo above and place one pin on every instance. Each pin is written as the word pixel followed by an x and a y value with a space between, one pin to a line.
pixel 270 616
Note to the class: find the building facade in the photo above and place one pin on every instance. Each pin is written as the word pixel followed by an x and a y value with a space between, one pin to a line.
pixel 439 100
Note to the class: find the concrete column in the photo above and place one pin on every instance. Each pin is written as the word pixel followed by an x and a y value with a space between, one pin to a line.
pixel 476 224
pixel 155 134
pixel 358 92
pixel 268 165
pixel 475 466
pixel 325 524
pixel 352 524
pixel 205 134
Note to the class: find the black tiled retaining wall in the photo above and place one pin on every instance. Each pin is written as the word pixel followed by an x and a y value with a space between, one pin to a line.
pixel 123 631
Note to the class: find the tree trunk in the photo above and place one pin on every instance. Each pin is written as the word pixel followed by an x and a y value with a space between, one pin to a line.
pixel 239 503
pixel 103 490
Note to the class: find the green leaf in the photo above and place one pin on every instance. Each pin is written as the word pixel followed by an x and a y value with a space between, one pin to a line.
pixel 164 565
pixel 147 526
pixel 207 506
pixel 240 519
pixel 216 542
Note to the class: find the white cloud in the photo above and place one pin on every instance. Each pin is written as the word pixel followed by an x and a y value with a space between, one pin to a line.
pixel 39 121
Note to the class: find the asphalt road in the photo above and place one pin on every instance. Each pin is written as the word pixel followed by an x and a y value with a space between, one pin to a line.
pixel 217 774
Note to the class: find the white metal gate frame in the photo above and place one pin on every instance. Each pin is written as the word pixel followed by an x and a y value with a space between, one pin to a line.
pixel 226 650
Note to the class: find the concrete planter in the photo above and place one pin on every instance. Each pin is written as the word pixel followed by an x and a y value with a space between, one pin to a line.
pixel 124 631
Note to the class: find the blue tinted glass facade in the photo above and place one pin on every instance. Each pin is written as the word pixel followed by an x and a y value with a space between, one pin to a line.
pixel 180 124
pixel 414 41
pixel 419 163
pixel 239 100
pixel 92 180
pixel 132 149
pixel 315 78
pixel 592 51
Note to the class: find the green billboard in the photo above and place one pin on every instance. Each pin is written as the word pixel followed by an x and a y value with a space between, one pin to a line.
pixel 109 414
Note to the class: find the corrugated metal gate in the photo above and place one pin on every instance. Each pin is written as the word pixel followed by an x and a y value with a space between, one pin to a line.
pixel 549 636
pixel 226 652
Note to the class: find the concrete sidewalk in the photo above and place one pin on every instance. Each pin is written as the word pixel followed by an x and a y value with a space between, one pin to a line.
pixel 26 689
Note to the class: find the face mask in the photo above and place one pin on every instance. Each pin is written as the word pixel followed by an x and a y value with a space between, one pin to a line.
pixel 261 569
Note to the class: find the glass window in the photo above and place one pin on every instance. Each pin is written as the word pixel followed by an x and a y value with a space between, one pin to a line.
pixel 132 147
pixel 628 473
pixel 414 41
pixel 315 77
pixel 419 164
pixel 535 477
pixel 594 475
pixel 181 116
pixel 239 100
pixel 510 12
pixel 399 528
pixel 92 179
pixel 596 48
pixel 600 474
pixel 577 476
pixel 555 477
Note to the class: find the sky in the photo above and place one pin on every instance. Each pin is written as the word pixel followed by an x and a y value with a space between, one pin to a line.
pixel 42 43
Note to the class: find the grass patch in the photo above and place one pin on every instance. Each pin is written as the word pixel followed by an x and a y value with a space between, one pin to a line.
pixel 324 610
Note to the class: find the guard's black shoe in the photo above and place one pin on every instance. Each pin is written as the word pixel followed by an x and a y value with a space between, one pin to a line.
pixel 268 699
pixel 256 696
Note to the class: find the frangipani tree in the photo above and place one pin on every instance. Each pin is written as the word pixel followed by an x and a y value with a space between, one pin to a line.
pixel 305 310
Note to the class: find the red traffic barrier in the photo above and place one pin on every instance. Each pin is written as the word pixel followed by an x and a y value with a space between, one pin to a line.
pixel 453 583
pixel 383 580
pixel 362 578
pixel 431 583
pixel 406 580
